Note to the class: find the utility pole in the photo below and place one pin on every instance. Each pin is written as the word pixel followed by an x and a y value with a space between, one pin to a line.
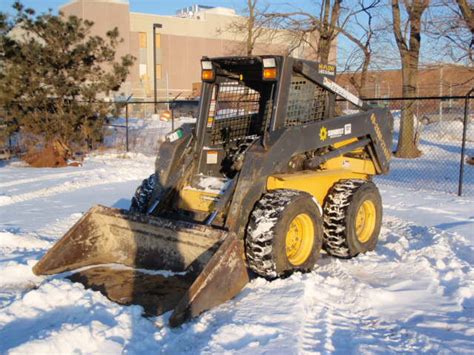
pixel 441 93
pixel 155 26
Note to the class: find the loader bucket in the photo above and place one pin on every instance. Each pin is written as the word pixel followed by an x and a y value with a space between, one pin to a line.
pixel 159 263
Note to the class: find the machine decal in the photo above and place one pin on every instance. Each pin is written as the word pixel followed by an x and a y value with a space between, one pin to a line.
pixel 327 69
pixel 348 128
pixel 339 90
pixel 323 133
pixel 379 135
pixel 174 136
pixel 337 132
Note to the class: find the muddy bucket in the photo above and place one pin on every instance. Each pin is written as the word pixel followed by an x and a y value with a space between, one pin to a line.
pixel 158 263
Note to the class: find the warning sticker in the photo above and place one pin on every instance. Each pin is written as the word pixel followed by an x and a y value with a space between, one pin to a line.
pixel 211 157
pixel 348 128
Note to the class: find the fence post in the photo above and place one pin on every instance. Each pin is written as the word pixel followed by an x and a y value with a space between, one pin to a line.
pixel 463 146
pixel 172 118
pixel 126 127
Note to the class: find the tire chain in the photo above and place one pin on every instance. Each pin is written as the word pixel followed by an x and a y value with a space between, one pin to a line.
pixel 261 230
pixel 335 210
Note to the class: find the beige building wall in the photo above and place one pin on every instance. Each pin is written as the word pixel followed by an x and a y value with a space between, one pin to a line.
pixel 181 43
pixel 106 15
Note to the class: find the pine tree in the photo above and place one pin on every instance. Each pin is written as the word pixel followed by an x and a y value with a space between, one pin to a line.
pixel 53 73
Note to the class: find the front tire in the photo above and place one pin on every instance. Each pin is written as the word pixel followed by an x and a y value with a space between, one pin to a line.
pixel 352 218
pixel 284 234
pixel 143 194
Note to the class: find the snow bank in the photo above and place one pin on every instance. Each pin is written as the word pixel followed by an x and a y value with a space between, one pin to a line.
pixel 448 131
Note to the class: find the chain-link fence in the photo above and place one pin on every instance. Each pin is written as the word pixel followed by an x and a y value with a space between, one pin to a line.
pixel 141 127
pixel 439 125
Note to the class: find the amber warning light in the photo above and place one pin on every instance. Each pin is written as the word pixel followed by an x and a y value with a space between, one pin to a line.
pixel 269 69
pixel 207 73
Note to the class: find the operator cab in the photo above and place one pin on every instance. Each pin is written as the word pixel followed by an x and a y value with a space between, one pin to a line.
pixel 238 92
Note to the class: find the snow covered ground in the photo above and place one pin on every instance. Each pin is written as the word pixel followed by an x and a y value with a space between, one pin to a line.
pixel 414 293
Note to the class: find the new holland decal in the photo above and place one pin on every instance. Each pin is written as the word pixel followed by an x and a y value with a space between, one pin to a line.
pixel 323 133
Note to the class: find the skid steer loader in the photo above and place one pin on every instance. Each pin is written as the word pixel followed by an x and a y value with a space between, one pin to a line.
pixel 266 178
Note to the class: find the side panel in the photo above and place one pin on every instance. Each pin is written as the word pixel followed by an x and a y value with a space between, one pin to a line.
pixel 197 200
pixel 315 183
pixel 170 155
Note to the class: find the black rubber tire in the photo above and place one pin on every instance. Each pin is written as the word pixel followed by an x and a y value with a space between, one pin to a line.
pixel 141 199
pixel 340 210
pixel 265 240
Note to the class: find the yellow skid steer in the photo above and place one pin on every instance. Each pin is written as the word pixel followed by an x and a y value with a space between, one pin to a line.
pixel 266 178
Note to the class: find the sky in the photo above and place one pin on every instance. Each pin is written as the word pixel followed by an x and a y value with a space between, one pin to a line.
pixel 162 7
pixel 169 7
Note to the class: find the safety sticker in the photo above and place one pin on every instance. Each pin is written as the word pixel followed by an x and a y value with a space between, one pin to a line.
pixel 348 128
pixel 211 157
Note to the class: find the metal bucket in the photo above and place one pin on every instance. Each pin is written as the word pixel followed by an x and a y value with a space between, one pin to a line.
pixel 159 263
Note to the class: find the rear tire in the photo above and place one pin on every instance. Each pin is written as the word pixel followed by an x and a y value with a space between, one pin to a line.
pixel 143 194
pixel 284 234
pixel 352 218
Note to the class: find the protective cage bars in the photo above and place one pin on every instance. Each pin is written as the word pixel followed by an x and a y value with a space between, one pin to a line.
pixel 236 107
pixel 306 102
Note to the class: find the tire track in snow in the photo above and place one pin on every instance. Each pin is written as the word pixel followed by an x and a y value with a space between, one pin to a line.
pixel 373 303
pixel 76 184
pixel 42 178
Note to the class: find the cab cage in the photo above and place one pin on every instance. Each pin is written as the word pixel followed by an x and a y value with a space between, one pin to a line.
pixel 242 104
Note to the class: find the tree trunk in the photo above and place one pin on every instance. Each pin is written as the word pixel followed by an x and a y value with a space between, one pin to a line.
pixel 324 50
pixel 409 49
pixel 250 27
pixel 408 139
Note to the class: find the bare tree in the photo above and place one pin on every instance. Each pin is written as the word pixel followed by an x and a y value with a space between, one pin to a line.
pixel 408 40
pixel 467 11
pixel 317 30
pixel 251 28
pixel 363 44
pixel 451 24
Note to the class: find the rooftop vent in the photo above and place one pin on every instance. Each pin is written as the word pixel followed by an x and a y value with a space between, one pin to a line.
pixel 190 11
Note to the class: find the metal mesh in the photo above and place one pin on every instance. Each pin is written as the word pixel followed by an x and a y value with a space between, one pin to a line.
pixel 237 111
pixel 439 129
pixel 306 102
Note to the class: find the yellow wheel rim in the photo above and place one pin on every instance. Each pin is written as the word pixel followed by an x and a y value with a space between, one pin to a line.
pixel 365 221
pixel 299 239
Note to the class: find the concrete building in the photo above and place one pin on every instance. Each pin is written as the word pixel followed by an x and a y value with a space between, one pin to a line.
pixel 180 42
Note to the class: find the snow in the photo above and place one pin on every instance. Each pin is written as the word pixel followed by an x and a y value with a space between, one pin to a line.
pixel 414 293
pixel 212 184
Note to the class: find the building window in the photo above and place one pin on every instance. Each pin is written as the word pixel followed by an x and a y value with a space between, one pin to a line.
pixel 158 72
pixel 143 72
pixel 158 40
pixel 142 39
